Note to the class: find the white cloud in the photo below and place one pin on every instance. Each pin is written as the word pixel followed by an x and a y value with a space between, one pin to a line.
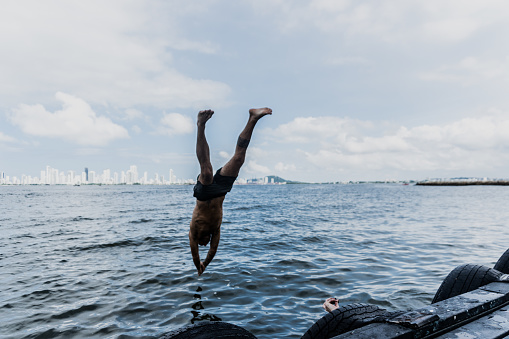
pixel 469 70
pixel 454 29
pixel 309 129
pixel 75 122
pixel 256 152
pixel 281 167
pixel 6 138
pixel 253 167
pixel 389 21
pixel 477 134
pixel 114 53
pixel 175 124
pixel 136 129
pixel 132 114
pixel 334 145
pixel 224 155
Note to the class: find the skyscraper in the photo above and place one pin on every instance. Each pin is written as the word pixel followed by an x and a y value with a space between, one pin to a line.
pixel 134 175
pixel 106 176
pixel 48 175
pixel 172 178
pixel 86 174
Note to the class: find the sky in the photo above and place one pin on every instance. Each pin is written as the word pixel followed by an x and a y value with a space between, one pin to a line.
pixel 360 90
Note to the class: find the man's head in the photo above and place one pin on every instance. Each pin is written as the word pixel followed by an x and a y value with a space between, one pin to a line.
pixel 204 239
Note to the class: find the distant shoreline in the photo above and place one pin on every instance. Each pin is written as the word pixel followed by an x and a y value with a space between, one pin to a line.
pixel 464 183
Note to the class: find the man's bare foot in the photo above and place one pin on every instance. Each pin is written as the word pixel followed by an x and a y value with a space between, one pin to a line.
pixel 257 113
pixel 204 116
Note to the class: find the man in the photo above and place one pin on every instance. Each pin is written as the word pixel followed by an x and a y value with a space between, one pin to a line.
pixel 210 189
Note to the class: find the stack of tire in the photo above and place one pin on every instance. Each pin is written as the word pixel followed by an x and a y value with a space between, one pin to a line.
pixel 462 279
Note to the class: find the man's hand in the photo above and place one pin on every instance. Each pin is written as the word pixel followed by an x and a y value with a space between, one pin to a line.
pixel 201 269
pixel 330 304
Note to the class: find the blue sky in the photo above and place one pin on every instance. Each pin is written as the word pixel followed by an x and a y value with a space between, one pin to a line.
pixel 360 90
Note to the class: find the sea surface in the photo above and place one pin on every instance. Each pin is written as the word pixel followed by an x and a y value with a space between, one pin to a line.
pixel 114 261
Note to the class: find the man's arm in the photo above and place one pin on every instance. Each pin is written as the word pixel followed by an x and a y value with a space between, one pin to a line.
pixel 214 243
pixel 196 254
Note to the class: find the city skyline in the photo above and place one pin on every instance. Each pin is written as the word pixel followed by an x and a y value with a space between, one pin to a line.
pixel 53 176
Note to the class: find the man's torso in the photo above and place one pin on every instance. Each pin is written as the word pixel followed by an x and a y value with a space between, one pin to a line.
pixel 207 217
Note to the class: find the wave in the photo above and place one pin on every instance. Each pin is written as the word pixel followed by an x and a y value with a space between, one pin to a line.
pixel 76 311
pixel 247 208
pixel 80 218
pixel 121 243
pixel 42 294
pixel 33 194
pixel 140 221
pixel 54 333
pixel 300 264
pixel 313 239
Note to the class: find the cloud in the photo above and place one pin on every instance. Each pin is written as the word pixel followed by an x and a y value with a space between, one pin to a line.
pixel 468 71
pixel 175 124
pixel 224 155
pixel 132 114
pixel 75 122
pixel 336 145
pixel 281 167
pixel 117 53
pixel 303 130
pixel 388 21
pixel 136 129
pixel 475 134
pixel 6 138
pixel 451 29
pixel 253 167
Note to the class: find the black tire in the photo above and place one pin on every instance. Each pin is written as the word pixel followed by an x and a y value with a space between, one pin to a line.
pixel 465 278
pixel 210 330
pixel 344 319
pixel 502 264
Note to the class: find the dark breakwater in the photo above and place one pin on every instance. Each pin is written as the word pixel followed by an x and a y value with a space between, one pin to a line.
pixel 465 183
pixel 114 261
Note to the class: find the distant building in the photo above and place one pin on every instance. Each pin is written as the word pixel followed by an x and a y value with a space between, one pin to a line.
pixel 52 176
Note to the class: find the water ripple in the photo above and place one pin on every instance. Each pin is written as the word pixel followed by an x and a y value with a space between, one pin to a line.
pixel 114 261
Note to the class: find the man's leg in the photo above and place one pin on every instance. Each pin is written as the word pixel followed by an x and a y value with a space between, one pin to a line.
pixel 202 148
pixel 232 167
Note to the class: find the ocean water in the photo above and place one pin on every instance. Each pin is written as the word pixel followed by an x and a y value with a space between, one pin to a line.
pixel 114 261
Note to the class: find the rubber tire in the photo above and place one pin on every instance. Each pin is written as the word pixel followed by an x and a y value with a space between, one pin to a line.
pixel 210 330
pixel 502 264
pixel 344 319
pixel 465 278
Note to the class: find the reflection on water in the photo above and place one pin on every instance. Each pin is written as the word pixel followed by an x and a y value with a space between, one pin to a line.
pixel 105 261
pixel 197 306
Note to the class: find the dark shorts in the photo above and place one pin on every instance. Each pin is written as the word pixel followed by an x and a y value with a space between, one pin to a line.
pixel 219 187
